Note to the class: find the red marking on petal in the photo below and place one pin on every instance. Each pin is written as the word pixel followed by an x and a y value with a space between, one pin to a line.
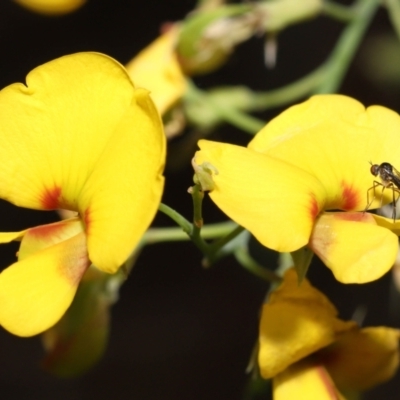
pixel 314 208
pixel 354 216
pixel 349 197
pixel 51 199
pixel 86 220
pixel 45 230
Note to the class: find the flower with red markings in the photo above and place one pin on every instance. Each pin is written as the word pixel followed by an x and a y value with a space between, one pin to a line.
pixel 312 158
pixel 82 137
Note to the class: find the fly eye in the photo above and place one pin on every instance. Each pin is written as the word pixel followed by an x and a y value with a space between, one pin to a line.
pixel 375 169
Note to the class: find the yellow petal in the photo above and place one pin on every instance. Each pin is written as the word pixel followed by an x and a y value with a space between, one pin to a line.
pixel 334 137
pixel 353 246
pixel 363 358
pixel 262 194
pixel 55 128
pixel 296 322
pixel 51 7
pixel 305 381
pixel 156 68
pixel 35 292
pixel 388 223
pixel 81 137
pixel 121 196
pixel 7 237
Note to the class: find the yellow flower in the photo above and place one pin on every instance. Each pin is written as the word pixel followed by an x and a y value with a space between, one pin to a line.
pixel 311 354
pixel 156 68
pixel 78 136
pixel 51 7
pixel 312 158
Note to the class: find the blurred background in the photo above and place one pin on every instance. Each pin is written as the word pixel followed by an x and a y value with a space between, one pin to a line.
pixel 179 331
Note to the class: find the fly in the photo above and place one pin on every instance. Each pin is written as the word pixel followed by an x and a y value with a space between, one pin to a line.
pixel 390 178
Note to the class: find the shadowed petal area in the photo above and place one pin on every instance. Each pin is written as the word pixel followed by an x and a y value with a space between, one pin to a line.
pixel 334 138
pixel 295 322
pixel 121 196
pixel 363 358
pixel 305 381
pixel 276 202
pixel 353 246
pixel 35 292
pixel 55 129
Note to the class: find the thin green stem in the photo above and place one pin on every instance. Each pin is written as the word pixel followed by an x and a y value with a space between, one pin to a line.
pixel 229 114
pixel 218 244
pixel 337 11
pixel 198 196
pixel 291 92
pixel 244 259
pixel 175 234
pixel 241 120
pixel 344 51
pixel 178 218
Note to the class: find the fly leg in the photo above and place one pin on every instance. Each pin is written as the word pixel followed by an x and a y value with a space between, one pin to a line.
pixel 373 188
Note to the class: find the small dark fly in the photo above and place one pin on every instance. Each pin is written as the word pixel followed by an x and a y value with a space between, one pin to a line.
pixel 389 178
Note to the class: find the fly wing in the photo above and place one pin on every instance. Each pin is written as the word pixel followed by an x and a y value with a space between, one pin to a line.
pixel 396 178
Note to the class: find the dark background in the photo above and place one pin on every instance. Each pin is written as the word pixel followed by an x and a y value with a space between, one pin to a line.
pixel 179 332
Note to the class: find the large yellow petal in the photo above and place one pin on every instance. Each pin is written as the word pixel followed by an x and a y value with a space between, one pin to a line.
pixel 361 359
pixel 353 246
pixel 121 196
pixel 295 322
pixel 305 381
pixel 55 129
pixel 276 202
pixel 51 7
pixel 334 138
pixel 35 292
pixel 156 68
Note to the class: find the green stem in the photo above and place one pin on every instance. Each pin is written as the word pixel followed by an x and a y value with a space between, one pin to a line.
pixel 393 7
pixel 220 243
pixel 174 234
pixel 343 53
pixel 232 115
pixel 198 196
pixel 337 11
pixel 291 92
pixel 244 259
pixel 178 218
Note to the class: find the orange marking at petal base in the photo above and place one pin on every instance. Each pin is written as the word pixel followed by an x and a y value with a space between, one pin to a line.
pixel 43 231
pixel 86 220
pixel 51 199
pixel 314 208
pixel 349 197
